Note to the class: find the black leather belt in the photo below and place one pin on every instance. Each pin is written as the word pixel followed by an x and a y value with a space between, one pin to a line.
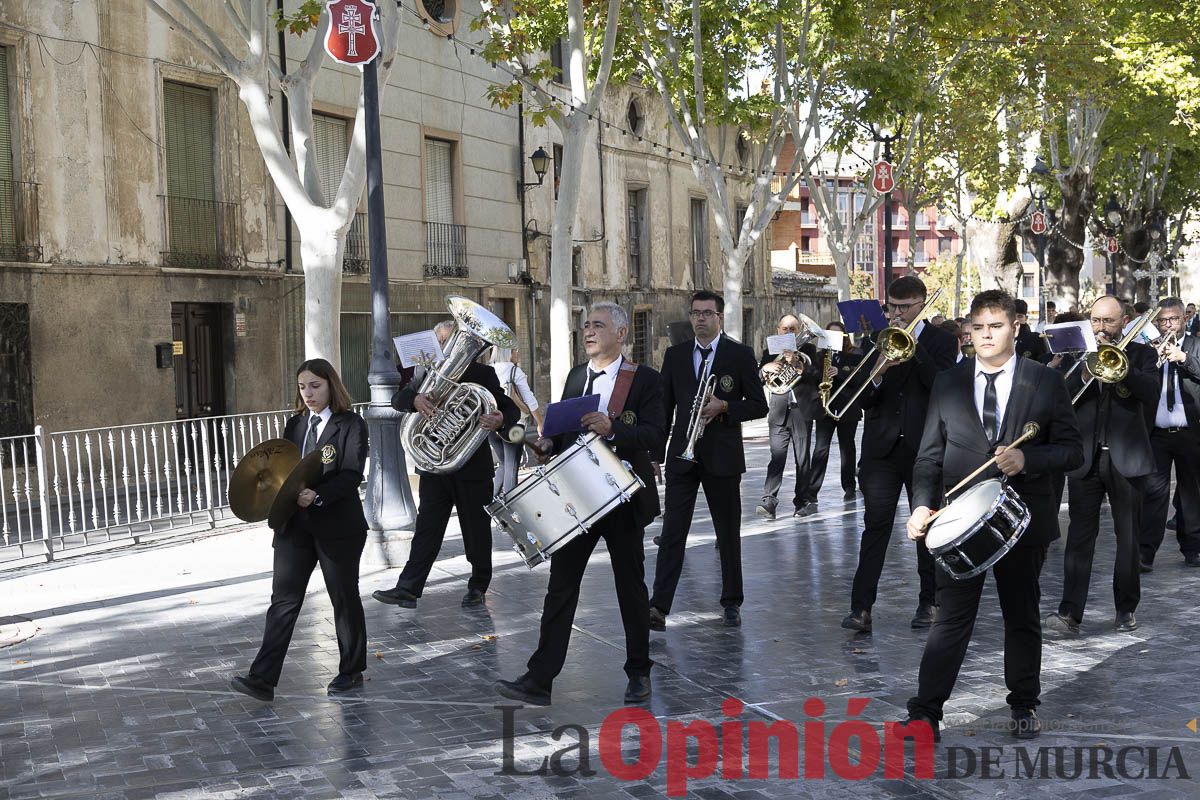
pixel 1173 429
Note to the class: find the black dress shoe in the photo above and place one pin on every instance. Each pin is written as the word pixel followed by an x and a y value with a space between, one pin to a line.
pixel 1145 566
pixel 1191 559
pixel 921 718
pixel 255 687
pixel 472 598
pixel 638 690
pixel 396 597
pixel 525 690
pixel 1025 723
pixel 657 540
pixel 1172 524
pixel 345 683
pixel 1126 621
pixel 765 510
pixel 850 496
pixel 924 616
pixel 858 621
pixel 733 617
pixel 1061 623
pixel 658 620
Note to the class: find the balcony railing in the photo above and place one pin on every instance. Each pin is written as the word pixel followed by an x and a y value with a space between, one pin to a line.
pixel 813 258
pixel 20 235
pixel 201 233
pixel 445 250
pixel 357 258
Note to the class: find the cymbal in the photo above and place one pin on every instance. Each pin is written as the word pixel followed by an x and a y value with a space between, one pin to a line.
pixel 302 476
pixel 258 476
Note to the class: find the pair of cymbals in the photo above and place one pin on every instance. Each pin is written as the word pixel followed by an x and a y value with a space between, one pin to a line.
pixel 268 479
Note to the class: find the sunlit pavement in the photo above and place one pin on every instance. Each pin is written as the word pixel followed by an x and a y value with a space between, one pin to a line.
pixel 116 667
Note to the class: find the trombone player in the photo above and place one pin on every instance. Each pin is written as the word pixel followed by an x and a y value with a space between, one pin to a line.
pixel 895 401
pixel 790 417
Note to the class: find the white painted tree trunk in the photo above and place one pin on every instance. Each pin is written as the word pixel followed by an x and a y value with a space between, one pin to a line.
pixel 562 237
pixel 321 257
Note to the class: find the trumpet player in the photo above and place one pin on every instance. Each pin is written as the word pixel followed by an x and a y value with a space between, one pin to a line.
pixel 719 459
pixel 895 403
pixel 790 422
pixel 1175 440
pixel 1116 457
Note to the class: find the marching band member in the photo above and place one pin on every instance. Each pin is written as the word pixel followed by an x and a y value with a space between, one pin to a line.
pixel 790 423
pixel 975 408
pixel 328 529
pixel 469 490
pixel 1175 439
pixel 720 457
pixel 1116 455
pixel 631 420
pixel 507 364
pixel 1029 344
pixel 895 407
pixel 842 363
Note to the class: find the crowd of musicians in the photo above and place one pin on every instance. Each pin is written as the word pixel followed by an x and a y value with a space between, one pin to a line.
pixel 936 418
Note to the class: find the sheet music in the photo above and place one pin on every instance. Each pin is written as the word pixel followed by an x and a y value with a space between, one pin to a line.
pixel 415 349
pixel 780 342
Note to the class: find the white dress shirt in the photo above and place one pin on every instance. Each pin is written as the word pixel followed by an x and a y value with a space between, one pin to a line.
pixel 509 373
pixel 1176 418
pixel 696 355
pixel 1004 385
pixel 605 382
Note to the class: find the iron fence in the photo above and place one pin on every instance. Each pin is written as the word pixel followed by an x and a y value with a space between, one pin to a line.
pixel 201 234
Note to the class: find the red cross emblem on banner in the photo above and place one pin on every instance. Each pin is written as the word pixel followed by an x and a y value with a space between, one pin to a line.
pixel 883 179
pixel 1037 223
pixel 353 37
pixel 1113 245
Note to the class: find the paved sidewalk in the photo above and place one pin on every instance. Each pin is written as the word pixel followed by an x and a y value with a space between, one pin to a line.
pixel 120 689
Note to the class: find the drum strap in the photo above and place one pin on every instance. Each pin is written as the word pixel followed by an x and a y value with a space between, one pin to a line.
pixel 620 392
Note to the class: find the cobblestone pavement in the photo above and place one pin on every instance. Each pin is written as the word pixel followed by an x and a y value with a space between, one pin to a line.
pixel 118 685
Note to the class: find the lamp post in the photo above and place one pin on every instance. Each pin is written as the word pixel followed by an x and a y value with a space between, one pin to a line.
pixel 1037 190
pixel 1112 219
pixel 882 134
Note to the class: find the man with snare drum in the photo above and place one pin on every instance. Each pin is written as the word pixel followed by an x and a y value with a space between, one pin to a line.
pixel 976 408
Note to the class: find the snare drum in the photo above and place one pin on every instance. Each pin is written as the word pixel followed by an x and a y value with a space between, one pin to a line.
pixel 977 529
pixel 563 499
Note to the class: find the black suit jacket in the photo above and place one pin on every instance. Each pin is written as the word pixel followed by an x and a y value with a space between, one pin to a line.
pixel 720 448
pixel 338 521
pixel 1030 344
pixel 639 440
pixel 480 465
pixel 954 443
pixel 1119 415
pixel 803 396
pixel 898 405
pixel 845 364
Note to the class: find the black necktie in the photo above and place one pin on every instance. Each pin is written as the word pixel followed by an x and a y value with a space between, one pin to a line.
pixel 1170 386
pixel 989 406
pixel 592 375
pixel 705 352
pixel 310 441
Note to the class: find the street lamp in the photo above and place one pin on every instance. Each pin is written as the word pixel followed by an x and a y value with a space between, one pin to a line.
pixel 1036 179
pixel 541 165
pixel 1112 216
pixel 886 135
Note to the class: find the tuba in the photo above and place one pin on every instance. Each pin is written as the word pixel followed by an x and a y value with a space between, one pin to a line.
pixel 785 378
pixel 443 443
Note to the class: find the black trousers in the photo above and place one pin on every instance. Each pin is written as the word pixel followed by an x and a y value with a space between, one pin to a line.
pixel 1181 449
pixel 438 494
pixel 623 537
pixel 881 480
pixel 825 426
pixel 723 494
pixel 790 430
pixel 1017 585
pixel 296 556
pixel 1125 500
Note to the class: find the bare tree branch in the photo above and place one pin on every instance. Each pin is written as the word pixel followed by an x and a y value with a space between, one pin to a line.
pixel 214 50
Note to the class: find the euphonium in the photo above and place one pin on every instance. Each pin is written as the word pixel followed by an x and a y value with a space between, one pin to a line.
pixel 1110 363
pixel 785 377
pixel 444 442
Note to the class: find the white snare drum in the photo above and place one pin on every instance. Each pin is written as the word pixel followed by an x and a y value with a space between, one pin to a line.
pixel 563 499
pixel 977 529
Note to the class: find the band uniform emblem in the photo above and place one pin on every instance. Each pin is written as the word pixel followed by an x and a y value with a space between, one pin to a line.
pixel 1028 354
pixel 1122 390
pixel 727 383
pixel 328 452
pixel 629 418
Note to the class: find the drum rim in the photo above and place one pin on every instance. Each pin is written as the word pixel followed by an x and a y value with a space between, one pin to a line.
pixel 979 569
pixel 1004 488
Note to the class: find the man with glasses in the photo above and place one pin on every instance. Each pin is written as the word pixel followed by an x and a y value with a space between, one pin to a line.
pixel 895 404
pixel 719 457
pixel 1029 344
pixel 1175 440
pixel 1116 456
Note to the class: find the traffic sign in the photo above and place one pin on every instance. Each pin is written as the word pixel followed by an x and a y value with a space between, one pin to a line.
pixel 353 36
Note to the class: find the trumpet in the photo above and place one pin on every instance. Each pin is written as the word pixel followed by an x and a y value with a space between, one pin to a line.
pixel 896 345
pixel 1164 344
pixel 1109 363
pixel 696 423
pixel 785 376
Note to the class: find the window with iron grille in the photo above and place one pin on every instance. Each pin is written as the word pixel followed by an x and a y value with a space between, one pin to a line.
pixel 699 230
pixel 642 333
pixel 331 145
pixel 558 58
pixel 636 238
pixel 16 374
pixel 7 172
pixel 439 181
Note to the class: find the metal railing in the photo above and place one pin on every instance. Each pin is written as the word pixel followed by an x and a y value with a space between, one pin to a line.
pixel 445 250
pixel 201 233
pixel 357 257
pixel 20 232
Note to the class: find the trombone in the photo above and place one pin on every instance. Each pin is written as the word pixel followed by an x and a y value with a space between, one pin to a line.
pixel 896 345
pixel 1110 363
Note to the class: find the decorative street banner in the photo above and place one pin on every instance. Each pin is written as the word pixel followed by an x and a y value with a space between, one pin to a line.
pixel 1037 222
pixel 353 36
pixel 883 180
pixel 1113 245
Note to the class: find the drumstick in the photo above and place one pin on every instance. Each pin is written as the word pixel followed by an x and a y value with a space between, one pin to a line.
pixel 1031 430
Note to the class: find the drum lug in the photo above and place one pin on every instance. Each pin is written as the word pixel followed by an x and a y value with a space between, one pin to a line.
pixel 616 485
pixel 595 458
pixel 552 486
pixel 570 509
